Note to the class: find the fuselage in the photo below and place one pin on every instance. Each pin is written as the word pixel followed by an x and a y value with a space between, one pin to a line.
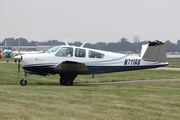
pixel 7 53
pixel 96 61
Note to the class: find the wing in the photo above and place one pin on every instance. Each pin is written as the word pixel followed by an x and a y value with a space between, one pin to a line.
pixel 71 66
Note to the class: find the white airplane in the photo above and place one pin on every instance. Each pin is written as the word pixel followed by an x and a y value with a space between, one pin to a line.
pixel 7 51
pixel 69 61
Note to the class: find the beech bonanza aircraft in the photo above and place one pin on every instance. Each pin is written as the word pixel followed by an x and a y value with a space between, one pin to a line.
pixel 69 61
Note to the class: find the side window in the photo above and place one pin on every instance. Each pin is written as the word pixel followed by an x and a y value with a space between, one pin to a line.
pixel 80 52
pixel 93 54
pixel 65 52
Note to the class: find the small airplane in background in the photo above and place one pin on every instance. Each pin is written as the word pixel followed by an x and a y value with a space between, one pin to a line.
pixel 7 51
pixel 70 61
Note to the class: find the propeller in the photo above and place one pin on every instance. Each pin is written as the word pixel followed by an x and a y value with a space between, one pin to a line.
pixel 18 58
pixel 19 67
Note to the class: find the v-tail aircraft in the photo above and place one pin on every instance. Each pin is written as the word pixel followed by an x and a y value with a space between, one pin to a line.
pixel 70 61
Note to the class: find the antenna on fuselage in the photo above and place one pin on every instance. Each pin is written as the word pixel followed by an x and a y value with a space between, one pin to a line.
pixel 83 44
pixel 65 42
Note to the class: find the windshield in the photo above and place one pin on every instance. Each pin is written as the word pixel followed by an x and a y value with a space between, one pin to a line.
pixel 53 49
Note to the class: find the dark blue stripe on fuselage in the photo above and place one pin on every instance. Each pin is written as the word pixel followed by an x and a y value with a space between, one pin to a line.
pixel 109 69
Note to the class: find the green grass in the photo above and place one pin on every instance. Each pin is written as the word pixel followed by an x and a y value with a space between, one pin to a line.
pixel 5 59
pixel 9 75
pixel 173 61
pixel 46 99
pixel 150 101
pixel 173 66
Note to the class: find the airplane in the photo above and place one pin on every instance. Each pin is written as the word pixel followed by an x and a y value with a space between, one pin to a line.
pixel 70 61
pixel 7 51
pixel 26 52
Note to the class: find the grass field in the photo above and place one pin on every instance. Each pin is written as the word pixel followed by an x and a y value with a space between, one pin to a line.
pixel 174 61
pixel 150 101
pixel 45 99
pixel 9 75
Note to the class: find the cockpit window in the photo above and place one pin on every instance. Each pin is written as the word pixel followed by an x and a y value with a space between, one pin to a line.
pixel 53 49
pixel 93 54
pixel 65 52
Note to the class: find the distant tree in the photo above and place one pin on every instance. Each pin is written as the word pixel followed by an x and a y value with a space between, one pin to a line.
pixel 101 46
pixel 88 45
pixel 9 41
pixel 111 46
pixel 122 45
pixel 171 47
pixel 77 43
pixel 15 42
pixel 178 45
pixel 32 43
pixel 125 45
pixel 23 41
pixel 53 42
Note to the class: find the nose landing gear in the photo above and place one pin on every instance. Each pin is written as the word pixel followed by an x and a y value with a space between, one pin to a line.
pixel 23 82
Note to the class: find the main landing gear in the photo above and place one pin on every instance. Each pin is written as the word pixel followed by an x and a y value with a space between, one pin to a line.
pixel 67 78
pixel 23 82
pixel 64 82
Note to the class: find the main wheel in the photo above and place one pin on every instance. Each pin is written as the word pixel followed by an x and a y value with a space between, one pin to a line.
pixel 69 82
pixel 62 81
pixel 23 82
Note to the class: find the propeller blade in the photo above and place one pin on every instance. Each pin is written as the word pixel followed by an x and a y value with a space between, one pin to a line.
pixel 18 58
pixel 18 67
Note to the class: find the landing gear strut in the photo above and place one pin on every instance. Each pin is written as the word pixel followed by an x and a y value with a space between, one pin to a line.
pixel 23 82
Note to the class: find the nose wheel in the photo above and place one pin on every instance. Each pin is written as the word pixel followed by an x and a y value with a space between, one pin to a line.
pixel 23 82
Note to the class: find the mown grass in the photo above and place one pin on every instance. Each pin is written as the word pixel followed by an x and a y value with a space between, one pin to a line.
pixel 45 99
pixel 147 101
pixel 9 75
pixel 5 59
pixel 173 61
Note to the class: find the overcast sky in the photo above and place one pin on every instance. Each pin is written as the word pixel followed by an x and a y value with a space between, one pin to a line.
pixel 90 20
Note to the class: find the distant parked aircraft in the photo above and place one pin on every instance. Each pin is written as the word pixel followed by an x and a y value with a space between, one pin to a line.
pixel 7 51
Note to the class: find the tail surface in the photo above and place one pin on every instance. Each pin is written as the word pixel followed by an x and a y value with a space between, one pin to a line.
pixel 154 51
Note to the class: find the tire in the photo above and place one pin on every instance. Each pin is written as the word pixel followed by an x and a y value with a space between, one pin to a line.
pixel 23 82
pixel 62 81
pixel 69 83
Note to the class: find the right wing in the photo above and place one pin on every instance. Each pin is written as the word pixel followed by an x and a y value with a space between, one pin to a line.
pixel 71 66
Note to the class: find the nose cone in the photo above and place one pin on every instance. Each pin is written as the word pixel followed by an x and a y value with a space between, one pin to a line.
pixel 19 57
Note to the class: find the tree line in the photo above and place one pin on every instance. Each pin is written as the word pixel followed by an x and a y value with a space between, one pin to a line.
pixel 122 45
